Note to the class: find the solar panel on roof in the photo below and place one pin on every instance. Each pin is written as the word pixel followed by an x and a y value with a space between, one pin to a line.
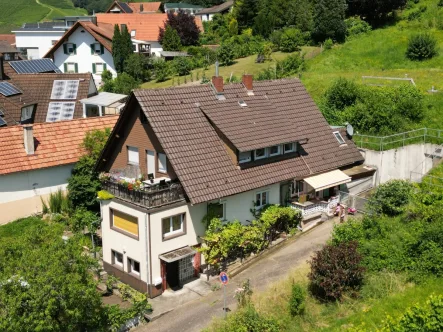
pixel 2 122
pixel 60 111
pixel 65 89
pixel 34 66
pixel 7 89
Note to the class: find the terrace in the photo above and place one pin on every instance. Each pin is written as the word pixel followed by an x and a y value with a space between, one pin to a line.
pixel 146 193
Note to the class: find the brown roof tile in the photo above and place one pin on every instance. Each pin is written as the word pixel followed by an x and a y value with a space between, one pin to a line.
pixel 198 156
pixel 57 144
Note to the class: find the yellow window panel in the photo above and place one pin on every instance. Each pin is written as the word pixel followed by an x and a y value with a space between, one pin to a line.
pixel 125 222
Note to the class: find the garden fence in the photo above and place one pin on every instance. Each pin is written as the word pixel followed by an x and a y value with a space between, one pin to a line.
pixel 382 143
pixel 354 201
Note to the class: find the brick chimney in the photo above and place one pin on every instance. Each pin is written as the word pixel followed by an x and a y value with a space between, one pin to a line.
pixel 217 82
pixel 247 82
pixel 28 139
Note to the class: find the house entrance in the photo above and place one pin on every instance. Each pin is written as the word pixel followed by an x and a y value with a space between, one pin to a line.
pixel 172 278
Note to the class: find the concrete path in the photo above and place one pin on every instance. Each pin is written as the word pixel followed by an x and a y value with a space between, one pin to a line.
pixel 197 314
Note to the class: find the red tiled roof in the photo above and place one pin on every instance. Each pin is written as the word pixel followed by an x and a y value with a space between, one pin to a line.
pixel 10 38
pixel 146 26
pixel 147 6
pixel 56 144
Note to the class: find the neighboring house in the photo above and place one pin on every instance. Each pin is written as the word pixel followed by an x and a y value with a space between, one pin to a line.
pixel 174 7
pixel 34 40
pixel 119 7
pixel 8 52
pixel 229 149
pixel 8 37
pixel 143 28
pixel 36 160
pixel 208 13
pixel 85 48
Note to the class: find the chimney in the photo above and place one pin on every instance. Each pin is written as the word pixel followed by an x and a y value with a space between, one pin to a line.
pixel 94 20
pixel 247 82
pixel 217 82
pixel 28 138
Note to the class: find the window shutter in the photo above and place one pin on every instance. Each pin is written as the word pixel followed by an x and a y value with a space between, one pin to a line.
pixel 65 48
pixel 102 49
pixel 75 48
pixel 93 68
pixel 65 66
pixel 92 49
pixel 76 67
pixel 104 66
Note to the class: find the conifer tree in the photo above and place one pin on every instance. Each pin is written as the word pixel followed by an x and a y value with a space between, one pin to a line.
pixel 329 20
pixel 171 40
pixel 116 47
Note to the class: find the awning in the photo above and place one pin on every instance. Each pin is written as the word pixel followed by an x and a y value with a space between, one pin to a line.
pixel 178 254
pixel 104 99
pixel 327 180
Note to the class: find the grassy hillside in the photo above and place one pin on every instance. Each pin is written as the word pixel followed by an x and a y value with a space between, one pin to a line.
pixel 16 12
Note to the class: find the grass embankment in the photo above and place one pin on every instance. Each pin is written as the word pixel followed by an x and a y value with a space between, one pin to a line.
pixel 241 66
pixel 15 13
pixel 16 228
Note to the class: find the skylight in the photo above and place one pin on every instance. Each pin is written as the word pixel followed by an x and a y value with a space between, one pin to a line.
pixel 242 103
pixel 339 137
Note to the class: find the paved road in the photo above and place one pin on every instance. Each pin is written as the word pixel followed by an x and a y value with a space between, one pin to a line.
pixel 196 315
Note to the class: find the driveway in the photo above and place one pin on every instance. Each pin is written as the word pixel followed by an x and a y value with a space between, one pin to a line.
pixel 196 315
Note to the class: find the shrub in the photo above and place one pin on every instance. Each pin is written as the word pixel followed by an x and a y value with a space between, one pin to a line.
pixel 328 44
pixel 423 318
pixel 282 218
pixel 291 40
pixel 161 69
pixel 82 219
pixel 225 54
pixel 391 197
pixel 58 202
pixel 422 46
pixel 297 300
pixel 104 195
pixel 356 26
pixel 342 93
pixel 182 65
pixel 336 270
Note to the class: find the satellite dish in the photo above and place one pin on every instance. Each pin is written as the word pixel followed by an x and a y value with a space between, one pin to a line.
pixel 350 130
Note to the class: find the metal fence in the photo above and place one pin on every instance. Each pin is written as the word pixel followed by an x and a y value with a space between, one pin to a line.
pixel 382 143
pixel 354 201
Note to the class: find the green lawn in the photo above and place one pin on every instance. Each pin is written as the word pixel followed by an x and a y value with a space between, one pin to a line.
pixel 15 13
pixel 241 66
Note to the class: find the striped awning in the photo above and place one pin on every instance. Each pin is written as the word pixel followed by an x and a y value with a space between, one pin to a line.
pixel 327 180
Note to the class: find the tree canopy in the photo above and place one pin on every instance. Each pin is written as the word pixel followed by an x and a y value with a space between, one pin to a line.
pixel 329 20
pixel 185 26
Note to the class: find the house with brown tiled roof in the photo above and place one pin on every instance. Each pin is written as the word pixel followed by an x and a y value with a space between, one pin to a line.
pixel 177 153
pixel 207 14
pixel 36 160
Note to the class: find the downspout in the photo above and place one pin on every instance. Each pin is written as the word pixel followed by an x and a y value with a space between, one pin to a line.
pixel 147 251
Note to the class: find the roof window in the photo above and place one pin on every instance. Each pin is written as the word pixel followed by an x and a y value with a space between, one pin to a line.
pixel 242 103
pixel 339 137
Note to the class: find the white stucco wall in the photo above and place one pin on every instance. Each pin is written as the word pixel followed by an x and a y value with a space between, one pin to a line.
pixel 20 192
pixel 206 17
pixel 84 58
pixel 398 163
pixel 38 39
pixel 128 246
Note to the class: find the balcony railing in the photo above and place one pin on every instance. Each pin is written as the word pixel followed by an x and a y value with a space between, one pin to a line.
pixel 146 197
pixel 315 206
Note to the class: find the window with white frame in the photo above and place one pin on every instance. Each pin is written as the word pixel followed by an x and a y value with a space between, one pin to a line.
pixel 261 199
pixel 260 154
pixel 289 147
pixel 133 33
pixel 274 150
pixel 173 225
pixel 244 157
pixel 117 258
pixel 297 187
pixel 339 137
pixel 133 266
pixel 162 163
pixel 70 67
pixel 133 157
pixel 218 210
pixel 99 68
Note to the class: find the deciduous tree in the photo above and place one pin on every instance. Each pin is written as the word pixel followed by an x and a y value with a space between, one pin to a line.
pixel 185 26
pixel 374 9
pixel 329 20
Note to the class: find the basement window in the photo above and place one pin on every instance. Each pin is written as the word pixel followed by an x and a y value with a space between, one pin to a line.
pixel 339 137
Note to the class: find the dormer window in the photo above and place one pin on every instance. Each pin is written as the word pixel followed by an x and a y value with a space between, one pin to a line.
pixel 244 157
pixel 339 137
pixel 260 154
pixel 289 147
pixel 274 150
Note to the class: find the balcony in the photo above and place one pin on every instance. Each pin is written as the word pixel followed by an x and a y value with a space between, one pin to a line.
pixel 311 207
pixel 147 197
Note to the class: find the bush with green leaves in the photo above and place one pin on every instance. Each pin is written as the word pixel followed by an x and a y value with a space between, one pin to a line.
pixel 391 197
pixel 356 26
pixel 427 317
pixel 162 70
pixel 297 300
pixel 328 44
pixel 281 218
pixel 225 54
pixel 336 271
pixel 182 65
pixel 58 203
pixel 291 40
pixel 137 65
pixel 422 46
pixel 83 219
pixel 171 40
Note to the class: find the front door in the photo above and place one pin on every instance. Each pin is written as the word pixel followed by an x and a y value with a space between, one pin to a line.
pixel 150 157
pixel 172 277
pixel 284 194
